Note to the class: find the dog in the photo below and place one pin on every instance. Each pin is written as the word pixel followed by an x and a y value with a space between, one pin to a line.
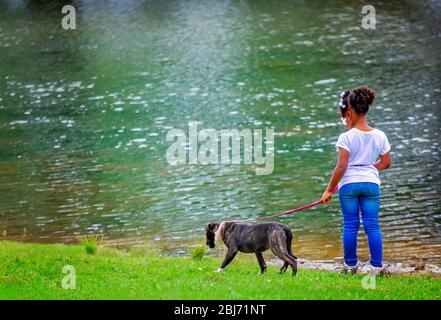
pixel 253 238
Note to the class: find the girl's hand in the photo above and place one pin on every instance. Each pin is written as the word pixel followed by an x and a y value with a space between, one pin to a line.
pixel 326 196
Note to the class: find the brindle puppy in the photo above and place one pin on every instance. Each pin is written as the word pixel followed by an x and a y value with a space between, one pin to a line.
pixel 254 238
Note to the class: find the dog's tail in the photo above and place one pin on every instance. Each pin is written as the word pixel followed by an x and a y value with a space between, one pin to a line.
pixel 288 235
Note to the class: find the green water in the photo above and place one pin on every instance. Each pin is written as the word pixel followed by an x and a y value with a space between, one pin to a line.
pixel 84 115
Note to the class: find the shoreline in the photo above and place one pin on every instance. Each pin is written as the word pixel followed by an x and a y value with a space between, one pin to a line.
pixel 334 266
pixel 394 268
pixel 405 268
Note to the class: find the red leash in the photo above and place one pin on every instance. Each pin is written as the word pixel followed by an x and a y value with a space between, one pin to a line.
pixel 312 204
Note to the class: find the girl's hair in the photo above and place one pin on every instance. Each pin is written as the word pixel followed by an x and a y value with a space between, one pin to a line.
pixel 360 99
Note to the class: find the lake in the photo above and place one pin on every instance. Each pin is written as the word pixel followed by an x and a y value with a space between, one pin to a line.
pixel 84 116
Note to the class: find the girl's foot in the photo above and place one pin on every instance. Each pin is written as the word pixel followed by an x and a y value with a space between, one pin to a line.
pixel 349 269
pixel 379 271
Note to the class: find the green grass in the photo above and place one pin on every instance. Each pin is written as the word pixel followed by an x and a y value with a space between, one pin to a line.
pixel 198 253
pixel 33 271
pixel 90 244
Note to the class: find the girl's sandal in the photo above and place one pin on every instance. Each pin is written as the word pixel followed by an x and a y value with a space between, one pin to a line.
pixel 380 271
pixel 349 269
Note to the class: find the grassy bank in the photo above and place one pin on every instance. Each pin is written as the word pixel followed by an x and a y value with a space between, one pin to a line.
pixel 34 271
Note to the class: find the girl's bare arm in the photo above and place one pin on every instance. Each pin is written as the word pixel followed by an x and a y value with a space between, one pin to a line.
pixel 339 171
pixel 340 168
pixel 385 162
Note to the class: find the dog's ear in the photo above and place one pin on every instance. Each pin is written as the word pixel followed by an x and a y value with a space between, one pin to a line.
pixel 211 226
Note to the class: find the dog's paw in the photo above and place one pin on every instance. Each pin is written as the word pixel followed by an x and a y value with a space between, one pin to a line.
pixel 219 270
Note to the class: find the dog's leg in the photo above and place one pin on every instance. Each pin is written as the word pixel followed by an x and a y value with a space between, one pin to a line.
pixel 231 253
pixel 289 249
pixel 279 248
pixel 283 268
pixel 294 267
pixel 261 261
pixel 287 259
pixel 288 244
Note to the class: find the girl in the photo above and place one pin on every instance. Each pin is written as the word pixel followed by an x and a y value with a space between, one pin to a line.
pixel 356 174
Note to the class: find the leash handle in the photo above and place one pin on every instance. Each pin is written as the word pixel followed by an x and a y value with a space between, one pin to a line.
pixel 310 205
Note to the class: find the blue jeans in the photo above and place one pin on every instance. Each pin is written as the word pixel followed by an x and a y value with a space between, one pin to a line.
pixel 364 196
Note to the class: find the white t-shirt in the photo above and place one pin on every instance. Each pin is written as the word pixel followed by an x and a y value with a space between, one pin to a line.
pixel 364 148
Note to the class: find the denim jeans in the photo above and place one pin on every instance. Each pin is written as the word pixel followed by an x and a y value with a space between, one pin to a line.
pixel 364 196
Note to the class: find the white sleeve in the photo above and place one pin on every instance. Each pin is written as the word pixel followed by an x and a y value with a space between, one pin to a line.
pixel 342 142
pixel 385 146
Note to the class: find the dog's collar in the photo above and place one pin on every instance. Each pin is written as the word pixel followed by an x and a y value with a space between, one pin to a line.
pixel 219 230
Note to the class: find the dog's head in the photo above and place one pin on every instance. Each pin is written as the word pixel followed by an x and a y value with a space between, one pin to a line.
pixel 210 232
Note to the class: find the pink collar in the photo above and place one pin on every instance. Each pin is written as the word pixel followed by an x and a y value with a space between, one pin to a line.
pixel 219 230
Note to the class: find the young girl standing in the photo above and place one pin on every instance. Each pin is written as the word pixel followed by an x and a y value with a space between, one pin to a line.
pixel 356 174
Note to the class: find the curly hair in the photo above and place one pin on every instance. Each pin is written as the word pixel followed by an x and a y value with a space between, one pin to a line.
pixel 360 99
